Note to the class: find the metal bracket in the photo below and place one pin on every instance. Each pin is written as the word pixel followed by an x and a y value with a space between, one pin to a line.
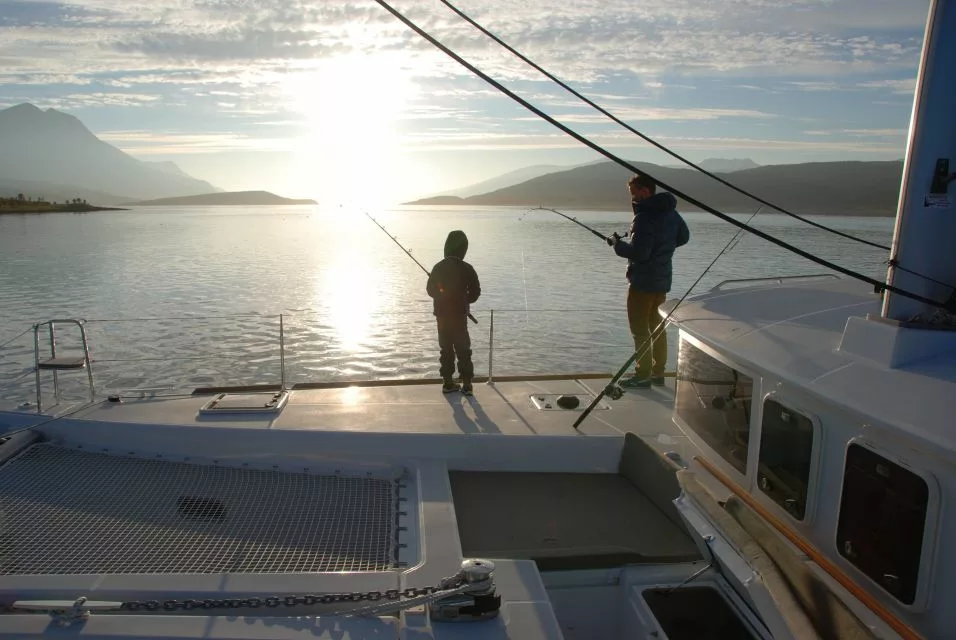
pixel 478 601
pixel 66 613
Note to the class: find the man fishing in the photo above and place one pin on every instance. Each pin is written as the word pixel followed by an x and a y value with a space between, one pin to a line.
pixel 453 285
pixel 656 231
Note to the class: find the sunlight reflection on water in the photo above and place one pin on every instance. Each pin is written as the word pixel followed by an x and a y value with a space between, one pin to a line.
pixel 214 281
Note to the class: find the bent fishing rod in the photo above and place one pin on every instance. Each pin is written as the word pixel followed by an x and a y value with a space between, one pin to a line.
pixel 600 235
pixel 408 253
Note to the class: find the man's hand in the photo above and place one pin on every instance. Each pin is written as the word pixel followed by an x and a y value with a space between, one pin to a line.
pixel 612 239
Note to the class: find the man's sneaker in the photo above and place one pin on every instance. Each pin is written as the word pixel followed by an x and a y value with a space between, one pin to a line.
pixel 466 388
pixel 657 381
pixel 636 383
pixel 450 386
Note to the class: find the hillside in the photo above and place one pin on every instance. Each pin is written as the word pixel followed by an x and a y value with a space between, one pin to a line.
pixel 848 188
pixel 225 198
pixel 56 148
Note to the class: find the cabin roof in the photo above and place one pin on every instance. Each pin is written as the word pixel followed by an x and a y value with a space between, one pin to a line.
pixel 797 331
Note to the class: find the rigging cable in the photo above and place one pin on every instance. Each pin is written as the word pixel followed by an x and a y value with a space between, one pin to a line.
pixel 877 284
pixel 676 155
pixel 648 139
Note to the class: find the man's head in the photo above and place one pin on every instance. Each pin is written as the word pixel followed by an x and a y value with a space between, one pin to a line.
pixel 641 187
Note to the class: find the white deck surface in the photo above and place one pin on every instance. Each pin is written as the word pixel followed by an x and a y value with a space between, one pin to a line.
pixel 381 422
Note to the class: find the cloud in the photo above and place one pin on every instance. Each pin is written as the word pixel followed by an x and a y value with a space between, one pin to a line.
pixel 816 86
pixel 644 114
pixel 904 86
pixel 20 13
pixel 232 62
pixel 461 140
pixel 582 41
pixel 860 133
pixel 145 143
pixel 98 99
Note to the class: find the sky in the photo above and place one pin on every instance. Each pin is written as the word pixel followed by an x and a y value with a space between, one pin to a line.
pixel 338 101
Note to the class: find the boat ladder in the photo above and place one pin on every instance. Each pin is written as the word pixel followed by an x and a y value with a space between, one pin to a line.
pixel 57 363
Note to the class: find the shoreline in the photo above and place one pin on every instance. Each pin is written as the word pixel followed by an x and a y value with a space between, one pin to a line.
pixel 63 209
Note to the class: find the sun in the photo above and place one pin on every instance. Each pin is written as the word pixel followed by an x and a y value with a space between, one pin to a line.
pixel 353 106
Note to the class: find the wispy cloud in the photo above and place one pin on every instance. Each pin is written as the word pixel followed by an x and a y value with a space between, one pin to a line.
pixel 257 68
pixel 648 114
pixel 145 143
pixel 904 86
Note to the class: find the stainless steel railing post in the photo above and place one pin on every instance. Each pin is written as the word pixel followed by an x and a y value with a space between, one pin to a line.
pixel 491 348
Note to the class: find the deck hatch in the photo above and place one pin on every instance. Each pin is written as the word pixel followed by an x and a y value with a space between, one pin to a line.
pixel 66 511
pixel 553 402
pixel 246 403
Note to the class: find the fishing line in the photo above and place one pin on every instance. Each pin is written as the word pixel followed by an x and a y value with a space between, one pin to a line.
pixel 408 253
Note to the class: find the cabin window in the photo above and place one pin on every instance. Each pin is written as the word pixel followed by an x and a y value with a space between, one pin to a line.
pixel 713 400
pixel 882 517
pixel 783 467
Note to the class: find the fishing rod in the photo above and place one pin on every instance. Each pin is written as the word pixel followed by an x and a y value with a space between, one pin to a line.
pixel 574 220
pixel 408 253
pixel 578 222
pixel 615 392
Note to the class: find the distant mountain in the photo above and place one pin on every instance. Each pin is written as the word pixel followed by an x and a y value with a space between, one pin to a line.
pixel 849 188
pixel 169 167
pixel 727 165
pixel 53 147
pixel 56 192
pixel 500 182
pixel 505 180
pixel 225 198
pixel 719 165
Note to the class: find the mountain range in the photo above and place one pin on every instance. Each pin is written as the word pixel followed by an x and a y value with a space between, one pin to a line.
pixel 225 198
pixel 51 154
pixel 849 188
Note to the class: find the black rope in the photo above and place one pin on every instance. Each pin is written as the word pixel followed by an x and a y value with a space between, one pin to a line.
pixel 646 138
pixel 877 284
pixel 676 155
pixel 896 265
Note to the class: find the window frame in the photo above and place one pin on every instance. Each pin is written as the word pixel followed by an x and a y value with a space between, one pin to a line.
pixel 816 455
pixel 749 476
pixel 925 569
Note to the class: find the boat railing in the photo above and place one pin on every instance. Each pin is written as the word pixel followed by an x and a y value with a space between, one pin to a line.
pixel 173 355
pixel 742 283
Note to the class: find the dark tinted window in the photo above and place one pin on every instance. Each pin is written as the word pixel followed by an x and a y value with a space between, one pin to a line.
pixel 882 516
pixel 786 443
pixel 714 400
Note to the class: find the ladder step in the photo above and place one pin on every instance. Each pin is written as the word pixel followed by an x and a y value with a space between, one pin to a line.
pixel 64 362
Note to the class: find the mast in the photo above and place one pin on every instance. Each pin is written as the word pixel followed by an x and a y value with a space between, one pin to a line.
pixel 924 238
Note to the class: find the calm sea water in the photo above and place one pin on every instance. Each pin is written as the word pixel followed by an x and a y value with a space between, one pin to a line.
pixel 182 297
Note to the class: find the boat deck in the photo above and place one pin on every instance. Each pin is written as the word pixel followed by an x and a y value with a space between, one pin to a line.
pixel 498 475
pixel 382 419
